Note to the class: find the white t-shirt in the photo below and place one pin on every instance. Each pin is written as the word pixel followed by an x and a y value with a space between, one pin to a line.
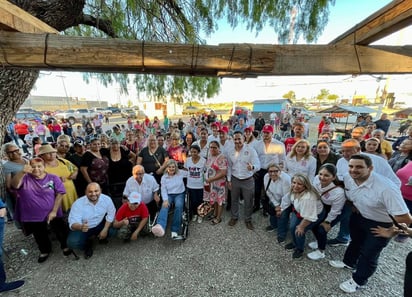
pixel 195 173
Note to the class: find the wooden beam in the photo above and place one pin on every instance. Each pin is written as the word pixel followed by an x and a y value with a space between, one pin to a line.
pixel 13 18
pixel 57 52
pixel 391 18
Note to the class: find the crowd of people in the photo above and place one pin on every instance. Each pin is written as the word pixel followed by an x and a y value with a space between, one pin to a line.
pixel 92 186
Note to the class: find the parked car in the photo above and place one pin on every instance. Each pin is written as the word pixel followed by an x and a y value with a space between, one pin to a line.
pixel 28 115
pixel 133 113
pixel 115 110
pixel 193 110
pixel 103 111
pixel 75 115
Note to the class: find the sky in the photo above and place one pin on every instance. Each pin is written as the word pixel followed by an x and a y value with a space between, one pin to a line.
pixel 344 15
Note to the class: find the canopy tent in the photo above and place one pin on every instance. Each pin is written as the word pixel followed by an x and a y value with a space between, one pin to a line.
pixel 348 109
pixel 403 114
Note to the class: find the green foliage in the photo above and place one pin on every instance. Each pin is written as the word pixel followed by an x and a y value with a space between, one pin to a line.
pixel 182 21
pixel 290 95
pixel 323 94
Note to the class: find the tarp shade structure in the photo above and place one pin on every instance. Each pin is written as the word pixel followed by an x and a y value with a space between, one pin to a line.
pixel 403 113
pixel 348 109
pixel 270 105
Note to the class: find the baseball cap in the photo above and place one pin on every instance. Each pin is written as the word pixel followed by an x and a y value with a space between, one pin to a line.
pixel 216 124
pixel 248 129
pixel 135 197
pixel 224 129
pixel 267 129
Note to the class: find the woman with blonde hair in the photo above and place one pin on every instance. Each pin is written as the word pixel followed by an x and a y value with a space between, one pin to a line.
pixel 307 212
pixel 173 191
pixel 300 160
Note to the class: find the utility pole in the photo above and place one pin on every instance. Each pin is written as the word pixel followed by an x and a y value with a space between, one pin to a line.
pixel 65 90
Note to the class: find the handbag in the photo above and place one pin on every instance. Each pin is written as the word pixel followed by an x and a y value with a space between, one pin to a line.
pixel 204 209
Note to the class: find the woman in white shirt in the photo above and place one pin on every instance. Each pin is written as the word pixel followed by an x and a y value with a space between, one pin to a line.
pixel 173 191
pixel 333 199
pixel 300 160
pixel 195 166
pixel 277 184
pixel 307 212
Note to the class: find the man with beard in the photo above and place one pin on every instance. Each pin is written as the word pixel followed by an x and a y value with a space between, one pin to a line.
pixel 90 216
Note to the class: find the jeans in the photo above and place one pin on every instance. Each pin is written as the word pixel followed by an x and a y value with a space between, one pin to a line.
pixel 344 233
pixel 179 201
pixel 259 186
pixel 282 223
pixel 321 234
pixel 77 239
pixel 364 249
pixel 1 237
pixel 196 198
pixel 299 240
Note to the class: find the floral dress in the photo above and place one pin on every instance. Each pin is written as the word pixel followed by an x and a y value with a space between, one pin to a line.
pixel 217 194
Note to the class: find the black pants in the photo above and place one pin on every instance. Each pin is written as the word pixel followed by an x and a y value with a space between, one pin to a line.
pixel 40 233
pixel 259 187
pixel 153 208
pixel 407 291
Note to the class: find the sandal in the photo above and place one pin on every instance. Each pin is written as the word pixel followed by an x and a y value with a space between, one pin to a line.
pixel 211 217
pixel 215 221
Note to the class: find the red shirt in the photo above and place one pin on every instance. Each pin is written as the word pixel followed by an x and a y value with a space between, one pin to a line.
pixel 289 142
pixel 21 128
pixel 141 212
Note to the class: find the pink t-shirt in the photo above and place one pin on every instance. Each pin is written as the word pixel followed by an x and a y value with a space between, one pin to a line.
pixel 404 174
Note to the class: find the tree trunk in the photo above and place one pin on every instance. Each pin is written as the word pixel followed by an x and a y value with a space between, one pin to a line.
pixel 15 85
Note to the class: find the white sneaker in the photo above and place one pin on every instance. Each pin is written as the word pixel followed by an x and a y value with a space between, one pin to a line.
pixel 316 255
pixel 194 218
pixel 199 220
pixel 158 231
pixel 313 245
pixel 176 236
pixel 349 286
pixel 339 264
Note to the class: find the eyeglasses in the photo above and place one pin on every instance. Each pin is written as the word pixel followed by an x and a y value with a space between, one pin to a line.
pixel 14 152
pixel 136 203
pixel 214 147
pixel 273 171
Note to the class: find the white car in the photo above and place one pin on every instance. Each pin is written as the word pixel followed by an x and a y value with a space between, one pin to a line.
pixel 103 111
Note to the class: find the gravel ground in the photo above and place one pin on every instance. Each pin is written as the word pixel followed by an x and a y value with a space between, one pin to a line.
pixel 214 261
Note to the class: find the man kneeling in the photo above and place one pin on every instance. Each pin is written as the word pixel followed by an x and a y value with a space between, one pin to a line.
pixel 90 216
pixel 131 218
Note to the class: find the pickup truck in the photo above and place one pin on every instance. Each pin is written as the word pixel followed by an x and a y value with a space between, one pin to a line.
pixel 75 115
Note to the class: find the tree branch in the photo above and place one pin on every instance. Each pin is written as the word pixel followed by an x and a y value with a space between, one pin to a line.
pixel 102 25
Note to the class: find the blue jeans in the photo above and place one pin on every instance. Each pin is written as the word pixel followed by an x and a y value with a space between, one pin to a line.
pixel 299 241
pixel 179 201
pixel 282 223
pixel 364 249
pixel 344 233
pixel 1 237
pixel 78 239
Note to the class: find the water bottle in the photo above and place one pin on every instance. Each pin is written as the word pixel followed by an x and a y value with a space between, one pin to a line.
pixel 24 252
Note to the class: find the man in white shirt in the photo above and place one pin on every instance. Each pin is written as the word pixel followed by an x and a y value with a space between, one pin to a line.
pixel 146 185
pixel 269 151
pixel 91 215
pixel 374 198
pixel 243 162
pixel 349 148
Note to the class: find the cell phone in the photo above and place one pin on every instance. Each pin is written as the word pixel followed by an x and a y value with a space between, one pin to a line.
pixel 395 222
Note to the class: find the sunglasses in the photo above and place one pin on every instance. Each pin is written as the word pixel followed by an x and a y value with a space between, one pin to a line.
pixel 13 152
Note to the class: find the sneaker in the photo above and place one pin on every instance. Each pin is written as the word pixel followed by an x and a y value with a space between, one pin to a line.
pixel 297 254
pixel 199 220
pixel 339 264
pixel 270 229
pixel 281 240
pixel 290 246
pixel 158 231
pixel 349 286
pixel 176 236
pixel 6 287
pixel 316 255
pixel 335 242
pixel 194 218
pixel 313 245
